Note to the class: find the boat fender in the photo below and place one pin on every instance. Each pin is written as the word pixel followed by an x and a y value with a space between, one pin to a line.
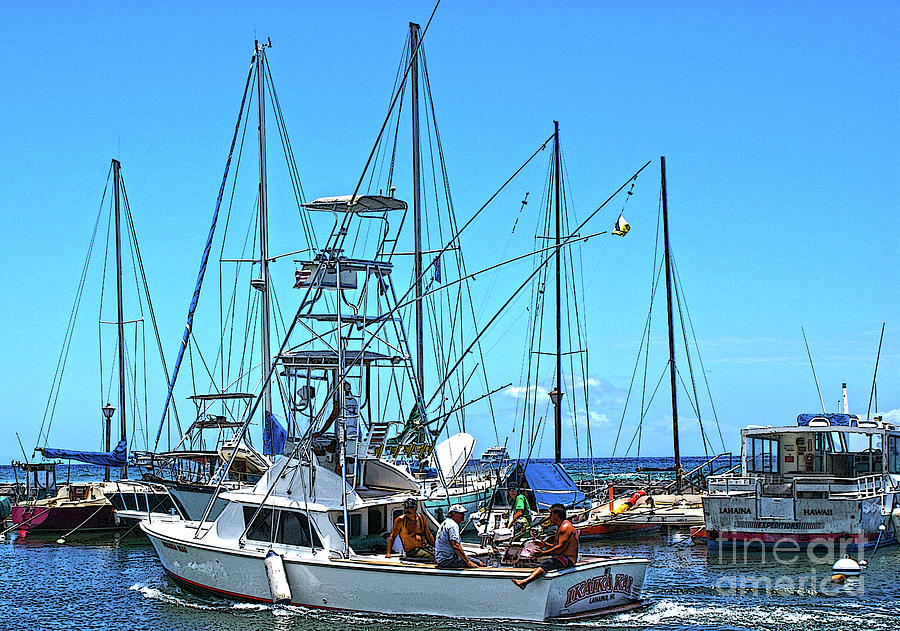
pixel 278 583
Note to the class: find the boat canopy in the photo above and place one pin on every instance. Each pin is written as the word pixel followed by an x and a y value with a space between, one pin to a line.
pixel 845 420
pixel 118 457
pixel 360 203
pixel 549 482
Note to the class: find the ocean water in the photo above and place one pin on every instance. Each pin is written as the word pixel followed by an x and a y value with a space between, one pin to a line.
pixel 94 582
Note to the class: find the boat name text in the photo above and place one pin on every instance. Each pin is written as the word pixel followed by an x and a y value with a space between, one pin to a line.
pixel 622 583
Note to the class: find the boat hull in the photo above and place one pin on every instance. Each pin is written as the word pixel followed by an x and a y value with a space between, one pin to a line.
pixel 65 518
pixel 376 585
pixel 799 523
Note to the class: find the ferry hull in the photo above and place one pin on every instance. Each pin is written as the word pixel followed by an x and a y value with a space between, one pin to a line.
pixel 789 522
pixel 377 585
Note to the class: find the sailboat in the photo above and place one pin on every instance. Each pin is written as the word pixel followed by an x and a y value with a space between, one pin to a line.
pixel 94 506
pixel 640 511
pixel 303 533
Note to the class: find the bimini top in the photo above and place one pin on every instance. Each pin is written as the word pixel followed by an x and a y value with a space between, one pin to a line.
pixel 845 420
pixel 360 203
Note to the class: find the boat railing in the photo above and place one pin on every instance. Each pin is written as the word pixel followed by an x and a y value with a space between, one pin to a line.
pixel 830 487
pixel 738 484
pixel 846 488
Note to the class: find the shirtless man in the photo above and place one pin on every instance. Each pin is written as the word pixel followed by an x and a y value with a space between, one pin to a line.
pixel 417 540
pixel 562 554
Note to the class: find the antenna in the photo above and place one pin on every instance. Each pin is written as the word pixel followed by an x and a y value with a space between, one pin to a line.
pixel 875 374
pixel 819 390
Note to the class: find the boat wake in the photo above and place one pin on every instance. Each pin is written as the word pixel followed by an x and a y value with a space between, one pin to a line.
pixel 668 613
pixel 183 600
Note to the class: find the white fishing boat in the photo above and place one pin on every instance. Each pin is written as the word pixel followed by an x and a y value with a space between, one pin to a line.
pixel 832 479
pixel 321 569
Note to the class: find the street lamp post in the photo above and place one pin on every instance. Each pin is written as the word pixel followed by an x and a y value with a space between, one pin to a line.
pixel 108 411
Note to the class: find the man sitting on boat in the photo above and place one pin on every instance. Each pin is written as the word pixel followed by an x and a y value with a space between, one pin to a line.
pixel 416 538
pixel 521 517
pixel 349 423
pixel 563 553
pixel 448 550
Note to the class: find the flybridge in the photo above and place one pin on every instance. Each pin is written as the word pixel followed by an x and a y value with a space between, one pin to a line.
pixel 357 204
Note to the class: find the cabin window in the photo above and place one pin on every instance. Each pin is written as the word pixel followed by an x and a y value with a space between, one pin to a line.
pixel 294 530
pixel 355 525
pixel 376 521
pixel 261 528
pixel 762 455
pixel 893 454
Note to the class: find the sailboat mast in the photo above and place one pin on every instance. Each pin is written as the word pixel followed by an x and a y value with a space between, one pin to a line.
pixel 417 206
pixel 557 404
pixel 120 322
pixel 665 212
pixel 263 228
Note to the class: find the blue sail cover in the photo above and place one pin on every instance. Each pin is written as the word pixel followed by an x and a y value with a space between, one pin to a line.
pixel 844 420
pixel 118 457
pixel 551 484
pixel 274 436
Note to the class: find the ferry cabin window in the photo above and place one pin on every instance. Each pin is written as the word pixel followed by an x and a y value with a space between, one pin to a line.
pixel 893 454
pixel 291 528
pixel 762 455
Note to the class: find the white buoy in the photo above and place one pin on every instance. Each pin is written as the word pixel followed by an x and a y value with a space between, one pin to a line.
pixel 846 566
pixel 278 583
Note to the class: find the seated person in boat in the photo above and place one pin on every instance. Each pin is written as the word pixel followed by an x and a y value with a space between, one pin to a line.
pixel 562 554
pixel 448 550
pixel 349 423
pixel 412 529
pixel 521 517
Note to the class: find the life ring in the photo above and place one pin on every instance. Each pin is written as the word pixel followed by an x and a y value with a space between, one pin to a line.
pixel 809 459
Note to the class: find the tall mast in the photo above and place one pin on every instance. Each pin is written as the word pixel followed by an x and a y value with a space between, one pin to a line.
pixel 665 211
pixel 263 228
pixel 557 404
pixel 121 317
pixel 417 207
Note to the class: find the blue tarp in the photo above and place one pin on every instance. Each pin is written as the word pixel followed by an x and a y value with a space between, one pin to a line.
pixel 274 436
pixel 118 457
pixel 551 484
pixel 846 420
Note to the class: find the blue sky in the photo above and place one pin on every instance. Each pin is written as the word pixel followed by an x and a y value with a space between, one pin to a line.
pixel 778 123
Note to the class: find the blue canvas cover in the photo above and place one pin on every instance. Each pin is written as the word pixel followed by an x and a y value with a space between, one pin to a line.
pixel 274 436
pixel 118 457
pixel 846 420
pixel 551 484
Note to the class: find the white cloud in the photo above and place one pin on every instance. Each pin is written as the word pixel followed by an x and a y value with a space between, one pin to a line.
pixel 519 392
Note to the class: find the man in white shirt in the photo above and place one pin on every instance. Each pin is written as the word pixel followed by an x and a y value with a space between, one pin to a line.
pixel 448 550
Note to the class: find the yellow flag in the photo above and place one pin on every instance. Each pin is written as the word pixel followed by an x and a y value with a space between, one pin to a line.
pixel 622 227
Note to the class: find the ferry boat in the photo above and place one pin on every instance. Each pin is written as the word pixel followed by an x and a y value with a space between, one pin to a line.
pixel 495 457
pixel 832 479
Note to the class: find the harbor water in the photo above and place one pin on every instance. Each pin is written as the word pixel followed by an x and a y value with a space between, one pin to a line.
pixel 102 582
